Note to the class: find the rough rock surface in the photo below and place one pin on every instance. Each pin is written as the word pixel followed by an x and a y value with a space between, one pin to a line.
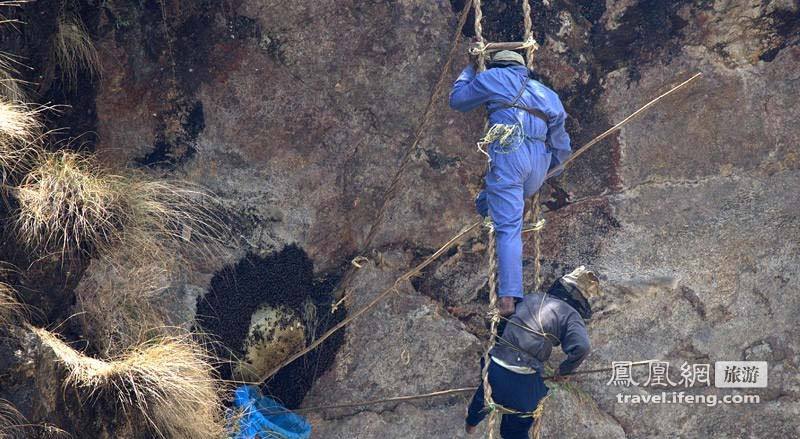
pixel 298 113
pixel 409 345
pixel 301 130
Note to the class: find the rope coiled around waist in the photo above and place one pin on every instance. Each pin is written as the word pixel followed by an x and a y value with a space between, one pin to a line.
pixel 508 138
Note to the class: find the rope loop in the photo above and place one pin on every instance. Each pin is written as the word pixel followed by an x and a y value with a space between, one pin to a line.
pixel 539 225
pixel 358 261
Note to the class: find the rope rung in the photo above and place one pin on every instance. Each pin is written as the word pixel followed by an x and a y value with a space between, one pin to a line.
pixel 481 47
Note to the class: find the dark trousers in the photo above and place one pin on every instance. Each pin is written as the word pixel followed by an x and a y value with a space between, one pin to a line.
pixel 511 390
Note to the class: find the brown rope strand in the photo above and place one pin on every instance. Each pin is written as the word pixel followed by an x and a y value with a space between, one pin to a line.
pixel 537 243
pixel 479 34
pixel 487 387
pixel 390 192
pixel 527 21
pixel 394 399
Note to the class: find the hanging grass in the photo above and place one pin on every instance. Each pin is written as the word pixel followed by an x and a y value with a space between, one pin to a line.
pixel 11 87
pixel 141 234
pixel 173 218
pixel 168 379
pixel 172 226
pixel 73 50
pixel 10 421
pixel 10 308
pixel 13 425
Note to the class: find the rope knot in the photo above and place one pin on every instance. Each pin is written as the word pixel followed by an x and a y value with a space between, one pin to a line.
pixel 494 315
pixel 488 224
pixel 531 44
pixel 478 48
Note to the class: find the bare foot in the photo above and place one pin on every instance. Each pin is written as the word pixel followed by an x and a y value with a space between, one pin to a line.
pixel 470 428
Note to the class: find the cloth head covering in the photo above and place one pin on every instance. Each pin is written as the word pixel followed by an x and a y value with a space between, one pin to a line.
pixel 576 288
pixel 507 57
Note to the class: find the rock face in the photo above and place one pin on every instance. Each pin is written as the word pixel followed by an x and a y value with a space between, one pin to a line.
pixel 298 114
pixel 301 130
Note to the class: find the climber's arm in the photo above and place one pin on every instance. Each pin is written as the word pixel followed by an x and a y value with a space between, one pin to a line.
pixel 470 90
pixel 575 344
pixel 557 138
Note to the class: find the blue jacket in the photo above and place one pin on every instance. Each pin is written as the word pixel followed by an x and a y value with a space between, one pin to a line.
pixel 497 86
pixel 520 345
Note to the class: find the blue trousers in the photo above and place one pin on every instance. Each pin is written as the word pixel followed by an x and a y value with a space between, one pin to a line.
pixel 511 390
pixel 512 177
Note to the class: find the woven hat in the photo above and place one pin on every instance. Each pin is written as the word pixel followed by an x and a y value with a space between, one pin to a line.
pixel 508 57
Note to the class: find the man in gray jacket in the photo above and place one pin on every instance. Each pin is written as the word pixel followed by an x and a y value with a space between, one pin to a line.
pixel 541 321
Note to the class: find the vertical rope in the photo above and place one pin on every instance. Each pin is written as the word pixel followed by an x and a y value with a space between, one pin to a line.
pixel 487 388
pixel 479 34
pixel 537 243
pixel 537 418
pixel 536 208
pixel 528 23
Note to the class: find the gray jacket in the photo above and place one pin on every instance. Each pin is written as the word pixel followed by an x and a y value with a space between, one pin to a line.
pixel 524 342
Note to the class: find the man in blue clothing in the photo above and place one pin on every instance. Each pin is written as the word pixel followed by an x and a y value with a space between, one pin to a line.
pixel 541 321
pixel 531 117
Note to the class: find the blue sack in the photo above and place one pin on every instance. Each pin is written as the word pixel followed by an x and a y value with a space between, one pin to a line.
pixel 262 417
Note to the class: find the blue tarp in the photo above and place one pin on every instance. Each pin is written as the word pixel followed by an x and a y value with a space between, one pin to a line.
pixel 262 417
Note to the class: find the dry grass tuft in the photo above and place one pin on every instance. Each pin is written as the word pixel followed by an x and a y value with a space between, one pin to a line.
pixel 142 233
pixel 69 204
pixel 169 379
pixel 11 4
pixel 19 122
pixel 73 49
pixel 66 202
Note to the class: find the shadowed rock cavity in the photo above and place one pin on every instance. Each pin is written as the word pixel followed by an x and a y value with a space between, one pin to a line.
pixel 281 291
